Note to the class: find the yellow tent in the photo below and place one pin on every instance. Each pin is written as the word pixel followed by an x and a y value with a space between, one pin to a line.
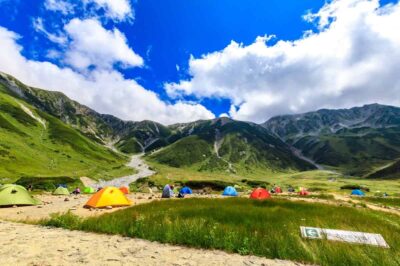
pixel 108 196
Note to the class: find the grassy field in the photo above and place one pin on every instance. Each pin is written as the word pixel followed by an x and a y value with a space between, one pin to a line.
pixel 30 149
pixel 317 181
pixel 390 201
pixel 264 228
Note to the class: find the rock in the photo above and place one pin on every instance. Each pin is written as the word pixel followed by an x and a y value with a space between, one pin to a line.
pixel 66 199
pixel 109 207
pixel 15 206
pixel 150 197
pixel 150 190
pixel 72 209
pixel 139 197
pixel 40 206
pixel 154 189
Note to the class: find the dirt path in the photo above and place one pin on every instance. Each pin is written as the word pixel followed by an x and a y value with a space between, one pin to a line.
pixel 23 244
pixel 136 162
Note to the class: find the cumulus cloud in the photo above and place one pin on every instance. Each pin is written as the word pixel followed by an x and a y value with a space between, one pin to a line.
pixel 93 45
pixel 353 59
pixel 105 90
pixel 115 9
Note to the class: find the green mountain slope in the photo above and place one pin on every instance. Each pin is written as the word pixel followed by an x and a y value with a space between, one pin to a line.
pixel 391 171
pixel 354 141
pixel 225 145
pixel 35 143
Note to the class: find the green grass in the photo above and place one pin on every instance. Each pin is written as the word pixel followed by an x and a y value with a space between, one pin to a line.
pixel 391 201
pixel 264 228
pixel 27 149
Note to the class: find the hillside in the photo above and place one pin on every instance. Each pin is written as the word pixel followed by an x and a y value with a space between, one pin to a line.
pixel 353 141
pixel 391 171
pixel 226 145
pixel 34 143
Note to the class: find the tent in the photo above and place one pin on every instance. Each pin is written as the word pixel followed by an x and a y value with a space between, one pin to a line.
pixel 89 190
pixel 124 190
pixel 108 196
pixel 11 195
pixel 186 190
pixel 357 192
pixel 260 193
pixel 278 190
pixel 230 191
pixel 303 192
pixel 61 191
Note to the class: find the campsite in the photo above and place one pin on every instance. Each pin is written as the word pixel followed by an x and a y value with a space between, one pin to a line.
pixel 200 132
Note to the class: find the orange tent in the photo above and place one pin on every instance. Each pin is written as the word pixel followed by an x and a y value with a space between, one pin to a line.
pixel 260 193
pixel 124 190
pixel 108 196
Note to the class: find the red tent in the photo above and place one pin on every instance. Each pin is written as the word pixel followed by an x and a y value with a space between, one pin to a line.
pixel 278 190
pixel 303 192
pixel 124 190
pixel 260 193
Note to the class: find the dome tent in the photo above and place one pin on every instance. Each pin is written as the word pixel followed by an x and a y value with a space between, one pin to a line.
pixel 108 196
pixel 230 191
pixel 61 191
pixel 260 193
pixel 186 190
pixel 11 195
pixel 89 190
pixel 357 192
pixel 303 192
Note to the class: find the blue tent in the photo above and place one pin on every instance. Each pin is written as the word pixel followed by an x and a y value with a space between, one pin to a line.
pixel 230 191
pixel 185 190
pixel 357 192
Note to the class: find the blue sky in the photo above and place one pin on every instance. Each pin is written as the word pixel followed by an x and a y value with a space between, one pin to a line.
pixel 169 45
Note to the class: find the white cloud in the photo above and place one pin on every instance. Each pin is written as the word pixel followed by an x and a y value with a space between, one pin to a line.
pixel 353 59
pixel 115 9
pixel 39 27
pixel 93 45
pixel 62 6
pixel 105 90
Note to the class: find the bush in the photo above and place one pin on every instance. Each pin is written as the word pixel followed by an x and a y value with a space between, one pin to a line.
pixel 48 183
pixel 351 187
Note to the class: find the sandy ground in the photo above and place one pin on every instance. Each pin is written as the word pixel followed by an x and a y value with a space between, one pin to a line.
pixel 23 244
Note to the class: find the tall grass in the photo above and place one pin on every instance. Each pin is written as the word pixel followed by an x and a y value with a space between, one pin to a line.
pixel 264 228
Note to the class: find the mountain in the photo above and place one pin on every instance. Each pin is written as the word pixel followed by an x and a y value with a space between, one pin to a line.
pixel 36 143
pixel 354 141
pixel 127 136
pixel 224 144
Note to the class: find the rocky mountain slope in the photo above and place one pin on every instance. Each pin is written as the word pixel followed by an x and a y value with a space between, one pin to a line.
pixel 224 144
pixel 354 141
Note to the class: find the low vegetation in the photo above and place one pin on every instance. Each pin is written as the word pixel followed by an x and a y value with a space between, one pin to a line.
pixel 264 228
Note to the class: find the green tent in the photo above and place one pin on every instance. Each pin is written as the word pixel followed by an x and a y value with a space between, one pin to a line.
pixel 89 190
pixel 11 195
pixel 61 191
